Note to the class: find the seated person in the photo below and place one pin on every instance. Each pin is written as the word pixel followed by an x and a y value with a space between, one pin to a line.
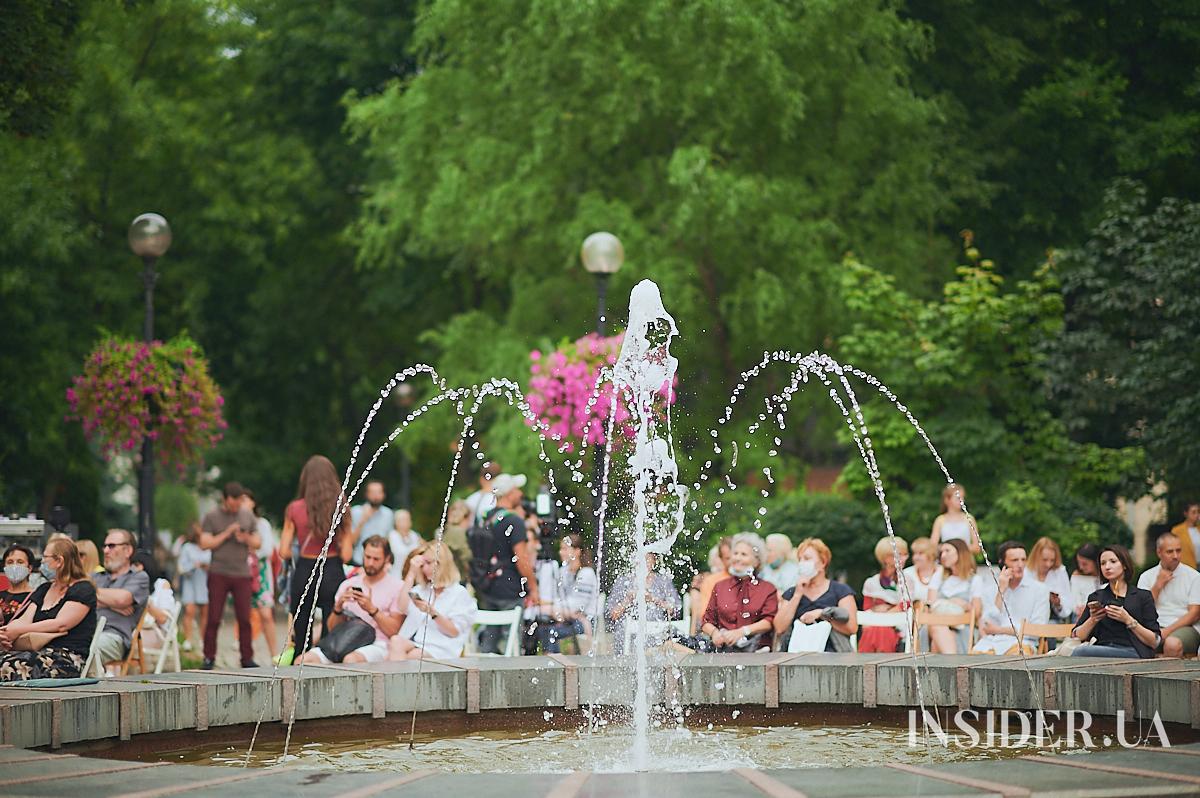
pixel 1020 598
pixel 742 607
pixel 924 574
pixel 1046 566
pixel 1086 577
pixel 702 586
pixel 662 601
pixel 781 566
pixel 883 593
pixel 438 611
pixel 18 566
pixel 57 624
pixel 1121 619
pixel 960 589
pixel 816 597
pixel 574 595
pixel 121 594
pixel 369 600
pixel 160 606
pixel 1176 590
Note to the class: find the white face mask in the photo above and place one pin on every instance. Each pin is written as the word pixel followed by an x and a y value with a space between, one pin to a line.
pixel 740 572
pixel 807 569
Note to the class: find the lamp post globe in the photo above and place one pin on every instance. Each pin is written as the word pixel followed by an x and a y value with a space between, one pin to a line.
pixel 602 253
pixel 149 236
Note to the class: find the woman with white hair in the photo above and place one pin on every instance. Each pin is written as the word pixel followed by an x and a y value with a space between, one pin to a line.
pixel 741 611
pixel 781 567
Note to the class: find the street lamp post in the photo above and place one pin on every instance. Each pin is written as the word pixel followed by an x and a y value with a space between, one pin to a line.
pixel 149 238
pixel 602 255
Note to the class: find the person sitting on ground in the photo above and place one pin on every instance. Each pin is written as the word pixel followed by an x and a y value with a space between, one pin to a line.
pixel 438 611
pixel 662 601
pixel 815 598
pixel 952 523
pixel 702 586
pixel 882 592
pixel 1176 590
pixel 741 610
pixel 1086 577
pixel 366 611
pixel 924 574
pixel 121 595
pixel 1046 566
pixel 193 583
pixel 959 590
pixel 1019 598
pixel 574 598
pixel 18 566
pixel 51 636
pixel 782 567
pixel 90 557
pixel 1188 532
pixel 1120 620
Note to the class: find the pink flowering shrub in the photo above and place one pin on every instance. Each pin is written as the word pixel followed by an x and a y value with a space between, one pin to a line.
pixel 131 389
pixel 562 381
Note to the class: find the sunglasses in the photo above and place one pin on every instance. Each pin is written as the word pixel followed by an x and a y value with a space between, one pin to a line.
pixel 114 545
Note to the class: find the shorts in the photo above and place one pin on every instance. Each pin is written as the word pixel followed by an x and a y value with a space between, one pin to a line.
pixel 1188 636
pixel 376 652
pixel 264 596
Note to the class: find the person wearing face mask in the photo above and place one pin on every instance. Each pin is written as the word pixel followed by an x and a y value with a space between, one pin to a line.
pixel 781 568
pixel 742 608
pixel 816 597
pixel 18 566
pixel 884 592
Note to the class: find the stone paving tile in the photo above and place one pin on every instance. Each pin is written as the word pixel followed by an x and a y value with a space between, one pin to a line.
pixel 860 782
pixel 661 785
pixel 1044 778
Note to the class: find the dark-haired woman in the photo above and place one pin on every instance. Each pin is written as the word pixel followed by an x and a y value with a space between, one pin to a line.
pixel 64 608
pixel 1085 579
pixel 309 521
pixel 576 592
pixel 1121 619
pixel 18 566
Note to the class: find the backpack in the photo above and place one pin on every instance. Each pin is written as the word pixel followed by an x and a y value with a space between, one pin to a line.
pixel 485 553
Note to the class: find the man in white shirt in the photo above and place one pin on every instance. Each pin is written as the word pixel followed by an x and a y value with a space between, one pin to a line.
pixel 1176 590
pixel 370 519
pixel 483 500
pixel 1024 599
pixel 782 569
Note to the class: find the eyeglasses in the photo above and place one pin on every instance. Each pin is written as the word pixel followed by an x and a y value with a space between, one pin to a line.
pixel 114 545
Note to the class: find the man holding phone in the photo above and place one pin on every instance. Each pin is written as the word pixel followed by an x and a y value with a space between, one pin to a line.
pixel 372 597
pixel 1019 599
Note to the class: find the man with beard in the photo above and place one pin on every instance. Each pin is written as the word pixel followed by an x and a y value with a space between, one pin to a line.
pixel 370 596
pixel 121 595
pixel 370 519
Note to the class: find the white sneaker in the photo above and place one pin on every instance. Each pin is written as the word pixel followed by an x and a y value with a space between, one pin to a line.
pixel 187 645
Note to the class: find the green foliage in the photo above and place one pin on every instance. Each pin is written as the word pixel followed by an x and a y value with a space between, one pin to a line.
pixel 175 507
pixel 1125 370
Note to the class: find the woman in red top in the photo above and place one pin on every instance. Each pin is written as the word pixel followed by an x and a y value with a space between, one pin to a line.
pixel 741 610
pixel 308 521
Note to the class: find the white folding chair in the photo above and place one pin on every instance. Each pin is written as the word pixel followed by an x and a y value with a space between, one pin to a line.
pixel 686 598
pixel 170 643
pixel 900 621
pixel 94 652
pixel 510 618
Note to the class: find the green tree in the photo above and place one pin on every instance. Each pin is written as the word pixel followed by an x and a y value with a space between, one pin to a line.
pixel 1125 370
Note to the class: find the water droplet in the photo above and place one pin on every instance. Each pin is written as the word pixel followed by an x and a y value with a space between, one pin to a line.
pixel 719 685
pixel 736 712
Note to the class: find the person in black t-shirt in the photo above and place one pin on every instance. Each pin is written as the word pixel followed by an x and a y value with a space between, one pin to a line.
pixel 514 584
pixel 18 564
pixel 59 621
pixel 1121 619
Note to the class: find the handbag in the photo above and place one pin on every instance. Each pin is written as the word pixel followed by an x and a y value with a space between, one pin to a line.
pixel 35 641
pixel 349 635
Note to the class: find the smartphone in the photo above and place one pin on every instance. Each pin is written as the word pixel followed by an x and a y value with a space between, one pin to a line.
pixel 356 589
pixel 415 596
pixel 1094 607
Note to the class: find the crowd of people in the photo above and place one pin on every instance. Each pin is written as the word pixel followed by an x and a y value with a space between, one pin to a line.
pixel 370 588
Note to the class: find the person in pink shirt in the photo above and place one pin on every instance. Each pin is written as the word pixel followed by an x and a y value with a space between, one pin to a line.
pixel 371 595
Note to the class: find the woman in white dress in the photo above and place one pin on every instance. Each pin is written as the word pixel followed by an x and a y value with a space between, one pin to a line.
pixel 1046 566
pixel 438 611
pixel 952 523
pixel 1085 580
pixel 959 590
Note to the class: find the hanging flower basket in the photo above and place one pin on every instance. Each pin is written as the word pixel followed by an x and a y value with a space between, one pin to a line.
pixel 131 389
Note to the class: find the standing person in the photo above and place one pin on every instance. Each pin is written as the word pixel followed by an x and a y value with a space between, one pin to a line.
pixel 924 574
pixel 308 521
pixel 1176 590
pixel 438 611
pixel 458 521
pixel 262 600
pixel 1022 598
pixel 502 565
pixel 370 518
pixel 1086 577
pixel 952 523
pixel 403 539
pixel 1046 566
pixel 64 605
pixel 1188 532
pixel 18 565
pixel 121 595
pixel 1121 619
pixel 230 532
pixel 882 593
pixel 483 500
pixel 193 583
pixel 782 567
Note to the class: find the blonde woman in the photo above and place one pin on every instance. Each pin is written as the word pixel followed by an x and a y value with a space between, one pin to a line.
pixel 952 523
pixel 90 556
pixel 924 574
pixel 438 611
pixel 960 589
pixel 1046 566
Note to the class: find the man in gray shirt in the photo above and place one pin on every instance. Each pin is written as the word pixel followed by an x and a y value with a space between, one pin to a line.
pixel 121 595
pixel 230 532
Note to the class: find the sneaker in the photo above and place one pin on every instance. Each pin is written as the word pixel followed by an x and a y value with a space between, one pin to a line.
pixel 207 665
pixel 250 664
pixel 187 646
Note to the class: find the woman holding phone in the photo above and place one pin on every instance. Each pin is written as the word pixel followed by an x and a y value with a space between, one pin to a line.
pixel 438 611
pixel 1120 619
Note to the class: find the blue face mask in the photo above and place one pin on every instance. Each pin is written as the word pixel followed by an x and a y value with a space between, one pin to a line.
pixel 47 570
pixel 16 573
